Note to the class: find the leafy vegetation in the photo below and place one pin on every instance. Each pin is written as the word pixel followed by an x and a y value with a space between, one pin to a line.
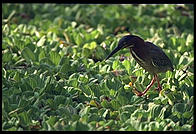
pixel 54 76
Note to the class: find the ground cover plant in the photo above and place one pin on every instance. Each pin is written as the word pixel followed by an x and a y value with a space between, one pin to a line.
pixel 54 76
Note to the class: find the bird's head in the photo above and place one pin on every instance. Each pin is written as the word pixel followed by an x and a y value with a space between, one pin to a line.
pixel 128 41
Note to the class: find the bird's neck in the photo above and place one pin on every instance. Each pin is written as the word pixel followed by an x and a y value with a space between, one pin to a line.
pixel 138 53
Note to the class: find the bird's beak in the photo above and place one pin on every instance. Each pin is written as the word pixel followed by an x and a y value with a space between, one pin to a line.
pixel 113 52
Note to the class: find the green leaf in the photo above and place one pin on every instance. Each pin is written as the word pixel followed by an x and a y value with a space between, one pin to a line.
pixel 47 61
pixel 73 24
pixel 79 126
pixel 189 40
pixel 127 65
pixel 83 78
pixel 55 57
pixel 105 104
pixel 86 89
pixel 173 41
pixel 65 68
pixel 91 46
pixel 187 114
pixel 7 57
pixel 94 34
pixel 52 120
pixel 27 54
pixel 154 126
pixel 17 77
pixel 155 110
pixel 53 70
pixel 84 111
pixel 42 55
pixel 99 53
pixel 41 41
pixel 115 65
pixel 105 113
pixel 25 118
pixel 86 52
pixel 110 123
pixel 124 116
pixel 187 127
pixel 79 40
pixel 162 113
pixel 179 107
pixel 183 60
pixel 59 99
pixel 115 104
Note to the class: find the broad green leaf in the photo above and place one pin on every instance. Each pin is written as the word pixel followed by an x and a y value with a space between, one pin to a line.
pixel 68 87
pixel 65 68
pixel 173 41
pixel 127 65
pixel 52 120
pixel 86 90
pixel 124 116
pixel 55 57
pixel 27 54
pixel 47 61
pixel 90 46
pixel 94 34
pixel 154 110
pixel 115 65
pixel 42 55
pixel 83 78
pixel 7 57
pixel 115 104
pixel 99 53
pixel 183 60
pixel 179 107
pixel 80 126
pixel 59 99
pixel 187 114
pixel 86 52
pixel 25 118
pixel 105 104
pixel 79 40
pixel 74 83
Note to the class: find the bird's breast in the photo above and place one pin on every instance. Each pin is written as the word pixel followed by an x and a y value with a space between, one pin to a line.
pixel 143 60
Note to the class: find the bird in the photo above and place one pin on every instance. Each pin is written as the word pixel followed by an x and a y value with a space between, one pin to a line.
pixel 149 56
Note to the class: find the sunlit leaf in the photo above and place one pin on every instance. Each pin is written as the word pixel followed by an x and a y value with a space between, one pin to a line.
pixel 41 41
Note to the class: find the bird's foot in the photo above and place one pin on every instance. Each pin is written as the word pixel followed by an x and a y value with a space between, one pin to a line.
pixel 158 89
pixel 138 93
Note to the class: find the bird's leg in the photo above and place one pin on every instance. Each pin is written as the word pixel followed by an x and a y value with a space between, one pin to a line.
pixel 159 85
pixel 148 87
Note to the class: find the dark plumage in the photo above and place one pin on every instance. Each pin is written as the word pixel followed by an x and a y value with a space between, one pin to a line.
pixel 147 55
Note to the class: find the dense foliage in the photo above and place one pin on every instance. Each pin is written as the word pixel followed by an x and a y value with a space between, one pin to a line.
pixel 54 76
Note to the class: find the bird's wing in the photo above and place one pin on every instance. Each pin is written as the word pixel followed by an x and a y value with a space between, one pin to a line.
pixel 158 57
pixel 157 62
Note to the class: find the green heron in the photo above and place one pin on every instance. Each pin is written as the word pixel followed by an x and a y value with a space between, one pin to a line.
pixel 147 55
